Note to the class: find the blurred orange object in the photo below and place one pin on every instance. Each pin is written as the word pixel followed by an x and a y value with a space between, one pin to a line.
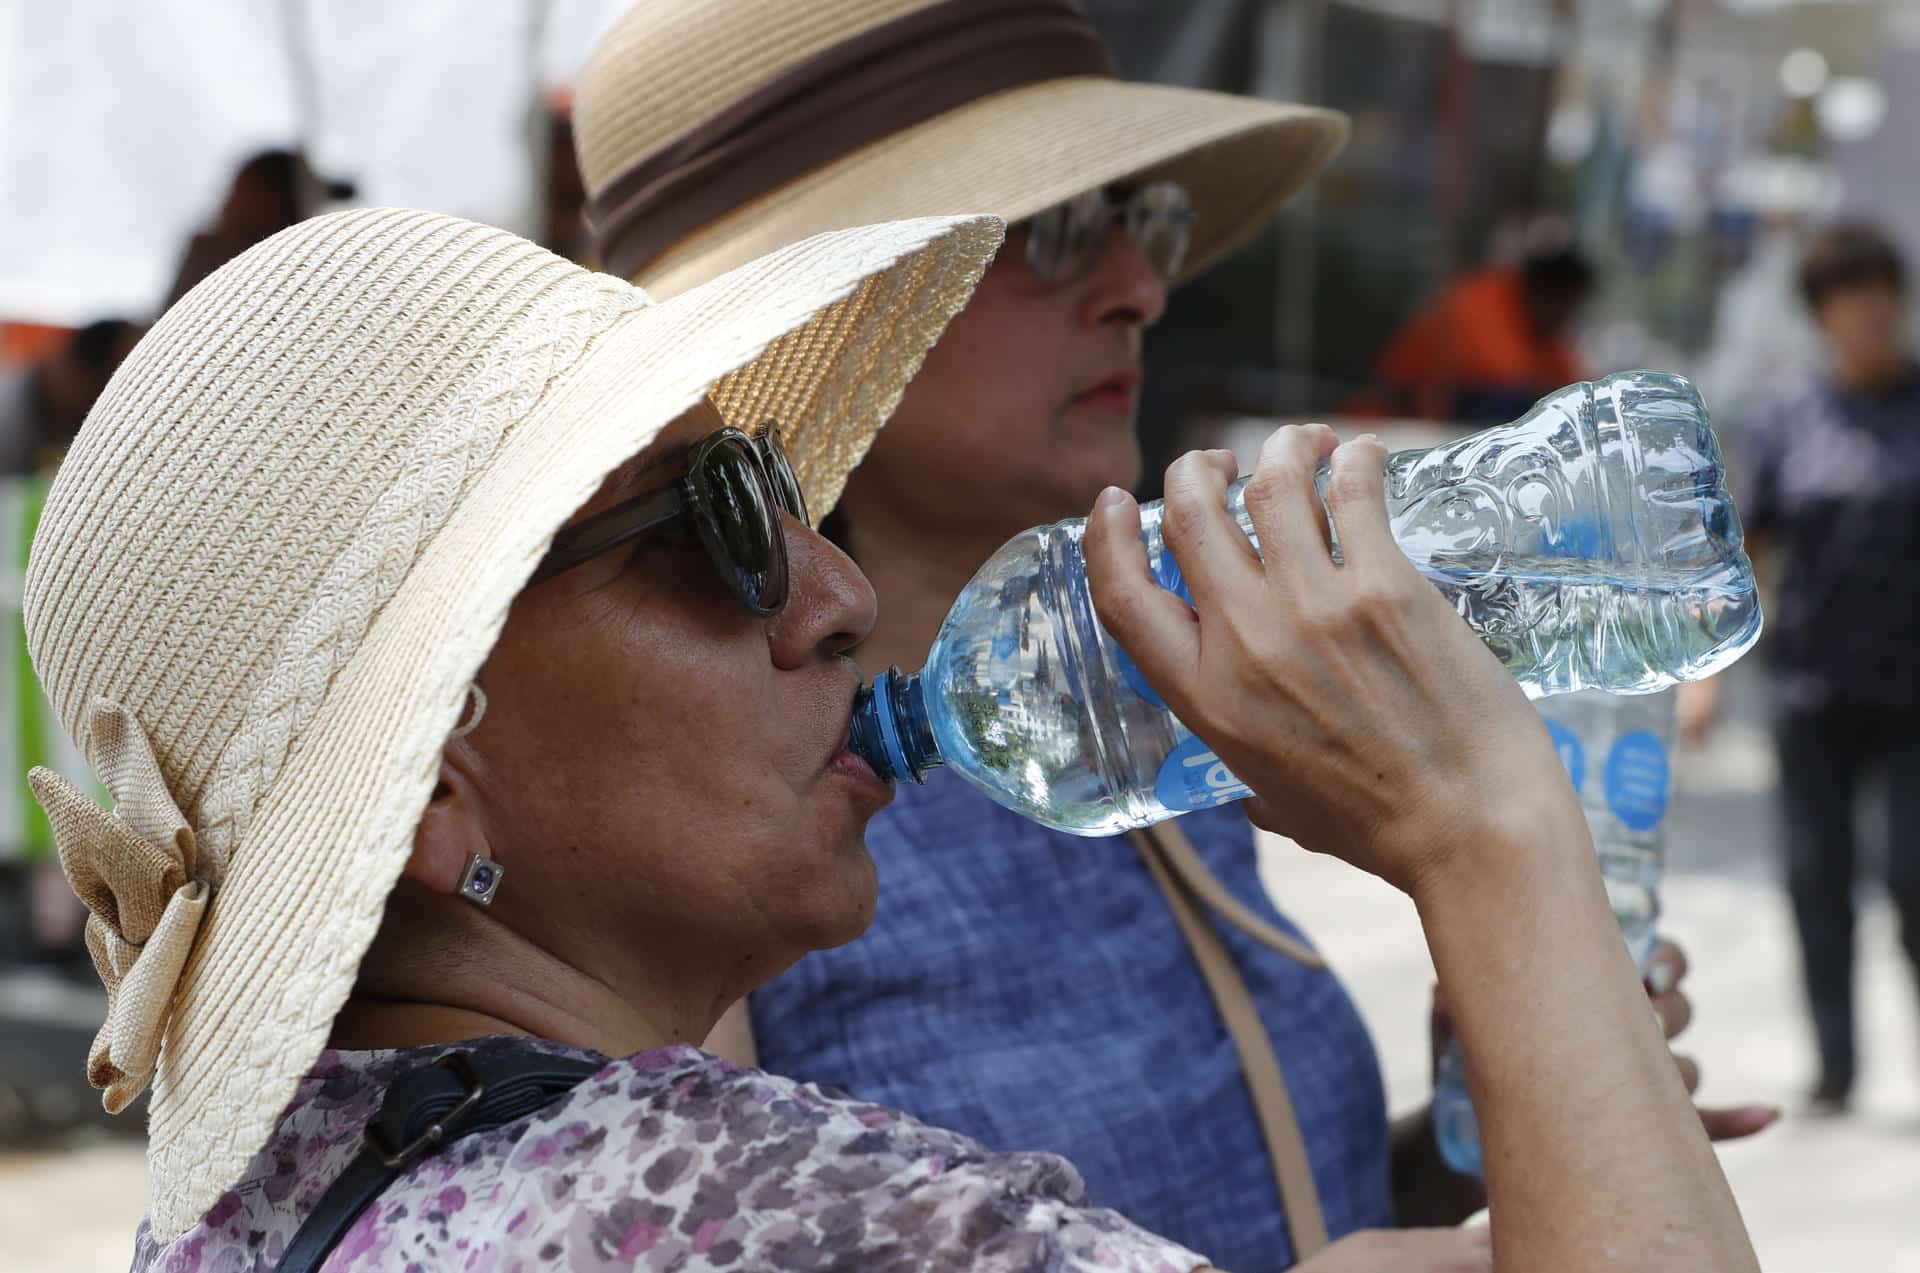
pixel 1481 338
pixel 25 343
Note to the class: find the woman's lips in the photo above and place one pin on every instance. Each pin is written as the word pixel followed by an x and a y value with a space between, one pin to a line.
pixel 853 767
pixel 1115 393
pixel 861 774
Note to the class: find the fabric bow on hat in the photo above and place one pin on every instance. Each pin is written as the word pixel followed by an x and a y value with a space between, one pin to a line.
pixel 135 870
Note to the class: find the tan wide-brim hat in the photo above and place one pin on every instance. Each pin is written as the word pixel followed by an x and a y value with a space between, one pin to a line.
pixel 754 123
pixel 286 540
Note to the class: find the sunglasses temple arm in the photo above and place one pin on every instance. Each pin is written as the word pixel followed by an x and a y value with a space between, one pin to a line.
pixel 609 530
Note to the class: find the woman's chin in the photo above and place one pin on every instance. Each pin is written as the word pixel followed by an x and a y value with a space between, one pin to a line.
pixel 849 912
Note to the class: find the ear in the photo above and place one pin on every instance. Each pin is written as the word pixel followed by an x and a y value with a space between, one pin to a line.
pixel 450 831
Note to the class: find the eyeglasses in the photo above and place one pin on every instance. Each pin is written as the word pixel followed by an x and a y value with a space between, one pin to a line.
pixel 733 493
pixel 1065 242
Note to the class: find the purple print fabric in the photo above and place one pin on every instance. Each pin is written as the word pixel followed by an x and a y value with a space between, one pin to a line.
pixel 668 1159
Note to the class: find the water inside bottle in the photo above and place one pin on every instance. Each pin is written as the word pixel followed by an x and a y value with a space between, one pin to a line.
pixel 1040 704
pixel 1560 626
pixel 1023 695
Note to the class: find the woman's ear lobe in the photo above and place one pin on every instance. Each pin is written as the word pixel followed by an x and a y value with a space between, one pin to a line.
pixel 448 835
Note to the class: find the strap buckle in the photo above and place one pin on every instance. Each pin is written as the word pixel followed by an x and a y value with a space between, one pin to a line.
pixel 461 1064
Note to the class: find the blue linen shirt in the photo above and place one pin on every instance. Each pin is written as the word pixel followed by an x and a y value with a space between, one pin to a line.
pixel 1031 989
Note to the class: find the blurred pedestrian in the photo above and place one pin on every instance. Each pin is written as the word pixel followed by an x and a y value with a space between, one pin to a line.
pixel 563 226
pixel 41 409
pixel 271 190
pixel 1135 1004
pixel 43 954
pixel 1492 343
pixel 42 403
pixel 1832 492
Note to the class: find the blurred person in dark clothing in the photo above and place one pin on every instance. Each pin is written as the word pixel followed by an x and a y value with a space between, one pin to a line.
pixel 1492 343
pixel 272 190
pixel 42 405
pixel 1832 484
pixel 563 193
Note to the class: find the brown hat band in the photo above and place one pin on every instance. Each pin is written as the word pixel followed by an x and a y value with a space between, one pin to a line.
pixel 871 86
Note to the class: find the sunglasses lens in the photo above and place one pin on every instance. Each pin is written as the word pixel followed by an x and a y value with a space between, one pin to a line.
pixel 1064 241
pixel 1164 244
pixel 1160 219
pixel 786 486
pixel 1046 245
pixel 741 523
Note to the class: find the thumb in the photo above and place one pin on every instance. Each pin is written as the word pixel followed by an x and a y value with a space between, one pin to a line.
pixel 1739 1121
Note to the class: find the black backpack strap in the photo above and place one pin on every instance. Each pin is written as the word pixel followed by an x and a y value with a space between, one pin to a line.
pixel 424 1110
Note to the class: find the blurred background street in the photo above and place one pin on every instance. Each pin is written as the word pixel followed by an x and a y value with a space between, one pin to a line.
pixel 1818 1195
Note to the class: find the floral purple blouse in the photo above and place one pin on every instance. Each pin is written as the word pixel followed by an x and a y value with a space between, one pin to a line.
pixel 668 1159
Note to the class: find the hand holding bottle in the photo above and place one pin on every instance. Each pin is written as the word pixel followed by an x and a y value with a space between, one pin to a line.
pixel 1371 723
pixel 1367 717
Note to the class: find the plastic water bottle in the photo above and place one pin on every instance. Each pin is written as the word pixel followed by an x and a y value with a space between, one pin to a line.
pixel 1616 750
pixel 1592 544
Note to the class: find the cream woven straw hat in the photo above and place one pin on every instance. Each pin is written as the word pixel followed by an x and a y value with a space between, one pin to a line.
pixel 709 132
pixel 286 540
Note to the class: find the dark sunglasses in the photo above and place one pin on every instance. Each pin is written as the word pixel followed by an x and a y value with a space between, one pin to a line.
pixel 1066 241
pixel 733 493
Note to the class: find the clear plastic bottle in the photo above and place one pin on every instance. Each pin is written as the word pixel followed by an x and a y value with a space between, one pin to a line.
pixel 1591 543
pixel 1617 752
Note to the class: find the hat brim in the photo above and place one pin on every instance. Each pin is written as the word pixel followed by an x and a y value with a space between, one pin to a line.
pixel 1017 152
pixel 822 337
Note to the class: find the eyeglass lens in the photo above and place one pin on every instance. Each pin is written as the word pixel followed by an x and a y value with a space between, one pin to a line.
pixel 1064 241
pixel 786 486
pixel 740 521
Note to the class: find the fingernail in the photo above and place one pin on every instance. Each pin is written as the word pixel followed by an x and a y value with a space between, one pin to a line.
pixel 1660 979
pixel 1111 498
pixel 1659 1022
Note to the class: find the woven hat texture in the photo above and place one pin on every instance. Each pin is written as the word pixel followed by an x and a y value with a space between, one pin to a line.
pixel 669 65
pixel 285 541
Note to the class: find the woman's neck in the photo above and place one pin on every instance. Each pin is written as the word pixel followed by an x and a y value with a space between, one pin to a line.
pixel 442 970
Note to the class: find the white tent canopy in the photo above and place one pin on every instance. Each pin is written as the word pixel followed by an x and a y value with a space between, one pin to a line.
pixel 121 124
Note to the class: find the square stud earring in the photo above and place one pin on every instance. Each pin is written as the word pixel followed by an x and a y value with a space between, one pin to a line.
pixel 481 880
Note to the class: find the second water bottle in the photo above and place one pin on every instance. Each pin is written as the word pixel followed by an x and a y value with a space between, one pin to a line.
pixel 1617 754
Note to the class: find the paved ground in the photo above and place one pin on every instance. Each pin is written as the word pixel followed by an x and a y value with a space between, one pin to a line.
pixel 1818 1197
pixel 1835 1197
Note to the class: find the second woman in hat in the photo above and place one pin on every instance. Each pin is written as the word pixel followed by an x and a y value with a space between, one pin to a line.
pixel 1004 957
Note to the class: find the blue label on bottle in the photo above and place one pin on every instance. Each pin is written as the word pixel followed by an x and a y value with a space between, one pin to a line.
pixel 1637 780
pixel 1573 755
pixel 1166 573
pixel 1192 777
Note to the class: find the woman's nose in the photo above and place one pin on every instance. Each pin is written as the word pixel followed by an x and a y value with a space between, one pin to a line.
pixel 830 605
pixel 1124 288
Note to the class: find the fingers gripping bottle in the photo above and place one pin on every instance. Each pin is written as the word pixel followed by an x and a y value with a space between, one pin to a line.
pixel 1591 544
pixel 1617 751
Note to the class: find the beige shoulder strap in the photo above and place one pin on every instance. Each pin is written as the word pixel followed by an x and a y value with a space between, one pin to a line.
pixel 1177 853
pixel 1179 872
